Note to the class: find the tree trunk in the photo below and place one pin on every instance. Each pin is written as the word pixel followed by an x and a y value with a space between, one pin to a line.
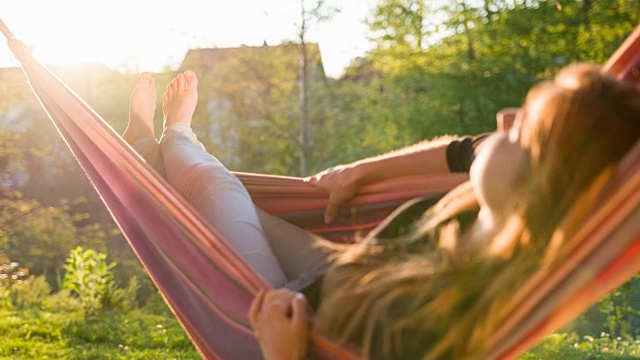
pixel 304 98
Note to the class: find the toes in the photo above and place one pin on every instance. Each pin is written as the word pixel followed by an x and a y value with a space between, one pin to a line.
pixel 181 84
pixel 171 89
pixel 190 79
pixel 152 83
pixel 145 78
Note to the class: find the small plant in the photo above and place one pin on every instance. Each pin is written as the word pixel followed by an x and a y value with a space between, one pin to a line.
pixel 11 274
pixel 31 292
pixel 91 278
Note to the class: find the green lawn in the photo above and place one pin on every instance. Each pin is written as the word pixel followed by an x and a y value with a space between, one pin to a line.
pixel 31 334
pixel 143 334
pixel 570 347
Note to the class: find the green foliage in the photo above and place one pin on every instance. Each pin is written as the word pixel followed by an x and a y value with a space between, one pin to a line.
pixel 618 308
pixel 351 119
pixel 31 292
pixel 12 275
pixel 90 277
pixel 249 111
pixel 134 329
pixel 447 67
pixel 39 237
pixel 11 158
pixel 62 301
pixel 567 346
pixel 399 24
pixel 116 298
pixel 138 334
pixel 66 334
pixel 156 305
pixel 5 298
pixel 32 334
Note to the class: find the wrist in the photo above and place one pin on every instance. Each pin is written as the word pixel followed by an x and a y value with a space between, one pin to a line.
pixel 357 174
pixel 369 171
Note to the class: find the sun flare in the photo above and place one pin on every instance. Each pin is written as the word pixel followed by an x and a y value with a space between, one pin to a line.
pixel 148 35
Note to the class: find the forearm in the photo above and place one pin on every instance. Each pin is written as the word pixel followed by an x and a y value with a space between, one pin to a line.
pixel 343 182
pixel 427 157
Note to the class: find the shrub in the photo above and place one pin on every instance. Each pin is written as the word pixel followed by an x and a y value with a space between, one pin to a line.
pixel 90 277
pixel 131 294
pixel 619 310
pixel 121 298
pixel 32 291
pixel 11 274
pixel 62 301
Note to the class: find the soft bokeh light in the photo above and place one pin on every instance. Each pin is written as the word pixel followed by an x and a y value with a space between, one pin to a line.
pixel 136 35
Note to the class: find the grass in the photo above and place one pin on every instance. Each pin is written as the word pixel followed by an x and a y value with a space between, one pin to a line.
pixel 155 334
pixel 569 346
pixel 35 334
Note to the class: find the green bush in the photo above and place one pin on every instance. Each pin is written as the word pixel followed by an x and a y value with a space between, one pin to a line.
pixel 62 301
pixel 125 299
pixel 619 309
pixel 31 292
pixel 11 275
pixel 91 278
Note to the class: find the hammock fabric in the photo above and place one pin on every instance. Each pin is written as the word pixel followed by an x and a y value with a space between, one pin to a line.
pixel 209 287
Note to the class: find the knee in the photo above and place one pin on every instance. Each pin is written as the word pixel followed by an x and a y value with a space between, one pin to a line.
pixel 200 179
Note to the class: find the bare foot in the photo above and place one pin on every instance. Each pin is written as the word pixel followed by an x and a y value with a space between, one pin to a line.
pixel 180 99
pixel 142 106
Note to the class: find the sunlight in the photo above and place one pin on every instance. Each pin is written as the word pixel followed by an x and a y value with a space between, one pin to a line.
pixel 133 33
pixel 147 35
pixel 92 33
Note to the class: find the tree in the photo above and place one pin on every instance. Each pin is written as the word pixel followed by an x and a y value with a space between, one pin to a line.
pixel 399 24
pixel 476 57
pixel 248 113
pixel 309 15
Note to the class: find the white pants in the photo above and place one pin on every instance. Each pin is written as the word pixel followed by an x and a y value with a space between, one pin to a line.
pixel 283 254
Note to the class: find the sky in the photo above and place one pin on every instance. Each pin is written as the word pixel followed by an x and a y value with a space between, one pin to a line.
pixel 153 35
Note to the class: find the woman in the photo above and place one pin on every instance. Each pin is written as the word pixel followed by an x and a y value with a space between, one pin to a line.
pixel 450 278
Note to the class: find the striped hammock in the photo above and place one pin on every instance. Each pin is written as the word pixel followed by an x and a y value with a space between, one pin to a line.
pixel 209 287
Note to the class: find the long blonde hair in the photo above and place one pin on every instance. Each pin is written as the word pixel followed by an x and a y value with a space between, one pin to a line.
pixel 410 297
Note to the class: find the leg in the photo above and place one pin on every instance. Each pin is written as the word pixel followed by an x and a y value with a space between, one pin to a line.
pixel 205 183
pixel 302 255
pixel 139 132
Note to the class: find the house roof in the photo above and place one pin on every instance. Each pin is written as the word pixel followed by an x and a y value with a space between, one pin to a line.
pixel 204 60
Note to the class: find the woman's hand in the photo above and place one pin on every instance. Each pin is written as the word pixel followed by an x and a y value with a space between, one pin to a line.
pixel 341 182
pixel 281 320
